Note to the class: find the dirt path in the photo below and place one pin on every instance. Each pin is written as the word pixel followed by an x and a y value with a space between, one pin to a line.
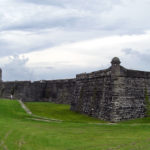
pixel 35 117
pixel 24 107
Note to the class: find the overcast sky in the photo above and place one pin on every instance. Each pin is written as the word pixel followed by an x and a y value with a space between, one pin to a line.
pixel 54 39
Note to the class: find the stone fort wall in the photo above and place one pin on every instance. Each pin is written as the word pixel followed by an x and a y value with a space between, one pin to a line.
pixel 112 94
pixel 58 91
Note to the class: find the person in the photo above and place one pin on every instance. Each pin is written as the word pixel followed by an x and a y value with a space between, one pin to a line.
pixel 11 96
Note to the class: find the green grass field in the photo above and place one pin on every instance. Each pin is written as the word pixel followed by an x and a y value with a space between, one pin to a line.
pixel 76 132
pixel 60 112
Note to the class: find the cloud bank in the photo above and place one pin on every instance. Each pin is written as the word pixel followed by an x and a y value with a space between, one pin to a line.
pixel 68 37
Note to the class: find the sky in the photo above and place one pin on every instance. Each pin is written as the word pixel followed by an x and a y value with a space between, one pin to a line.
pixel 57 39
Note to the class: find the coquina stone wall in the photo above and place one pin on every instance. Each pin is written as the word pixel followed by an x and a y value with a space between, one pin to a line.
pixel 93 94
pixel 58 91
pixel 113 94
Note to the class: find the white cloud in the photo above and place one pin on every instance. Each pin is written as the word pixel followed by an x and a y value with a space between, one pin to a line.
pixel 95 53
pixel 69 59
pixel 15 69
pixel 74 35
pixel 129 17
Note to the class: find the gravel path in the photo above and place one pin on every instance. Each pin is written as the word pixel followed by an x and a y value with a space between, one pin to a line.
pixel 24 107
pixel 35 117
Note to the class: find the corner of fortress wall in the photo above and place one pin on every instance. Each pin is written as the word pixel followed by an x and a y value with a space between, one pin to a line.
pixel 113 94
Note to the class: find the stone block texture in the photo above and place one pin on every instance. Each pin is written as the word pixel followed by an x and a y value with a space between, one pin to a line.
pixel 58 91
pixel 113 94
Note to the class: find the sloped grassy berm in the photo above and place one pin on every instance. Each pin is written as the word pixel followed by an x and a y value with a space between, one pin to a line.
pixel 76 132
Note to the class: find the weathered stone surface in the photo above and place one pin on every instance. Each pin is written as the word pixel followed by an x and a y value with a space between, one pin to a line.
pixel 112 94
pixel 58 91
pixel 0 75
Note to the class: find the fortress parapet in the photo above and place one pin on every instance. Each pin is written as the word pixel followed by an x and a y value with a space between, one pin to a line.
pixel 113 94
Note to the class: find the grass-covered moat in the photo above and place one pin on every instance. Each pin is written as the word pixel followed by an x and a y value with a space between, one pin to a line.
pixel 75 132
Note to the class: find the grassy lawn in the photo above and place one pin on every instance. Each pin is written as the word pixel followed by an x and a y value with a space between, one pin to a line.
pixel 60 112
pixel 19 132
